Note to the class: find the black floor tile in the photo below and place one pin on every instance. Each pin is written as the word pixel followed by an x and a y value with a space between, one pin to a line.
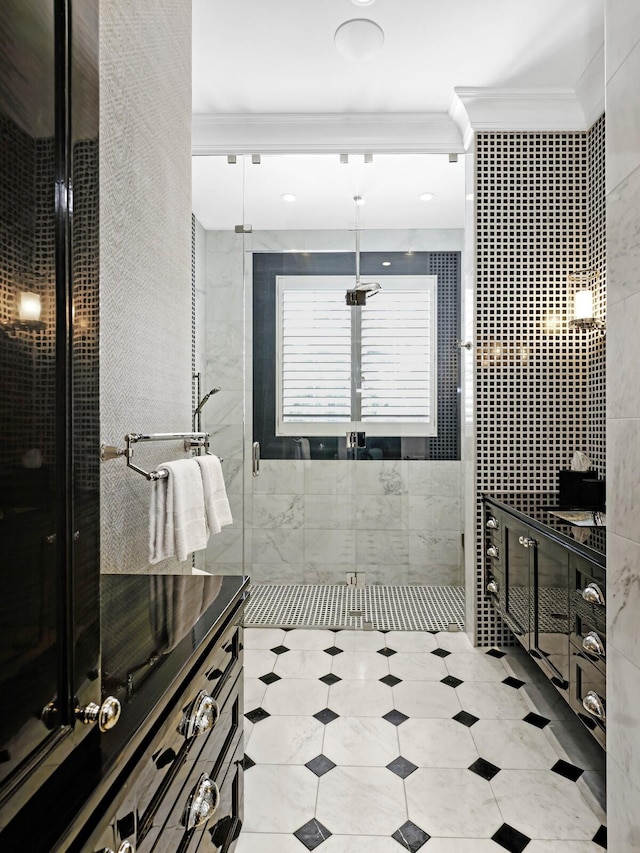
pixel 451 681
pixel 333 650
pixel 390 680
pixel 248 763
pixel 510 839
pixel 484 768
pixel 569 771
pixel 320 765
pixel 411 837
pixel 326 716
pixel 387 652
pixel 600 837
pixel 395 717
pixel 465 718
pixel 496 653
pixel 330 679
pixel 401 767
pixel 269 678
pixel 513 682
pixel 312 834
pixel 257 715
pixel 280 650
pixel 536 720
pixel 441 653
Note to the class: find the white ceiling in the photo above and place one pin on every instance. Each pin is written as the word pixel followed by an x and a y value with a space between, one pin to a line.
pixel 257 57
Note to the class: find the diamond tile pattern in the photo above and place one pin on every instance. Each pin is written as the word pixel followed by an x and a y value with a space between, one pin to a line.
pixel 424 795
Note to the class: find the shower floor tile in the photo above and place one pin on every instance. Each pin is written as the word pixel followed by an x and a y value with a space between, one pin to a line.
pixel 459 764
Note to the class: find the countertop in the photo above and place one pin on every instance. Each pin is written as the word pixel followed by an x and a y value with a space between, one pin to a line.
pixel 537 509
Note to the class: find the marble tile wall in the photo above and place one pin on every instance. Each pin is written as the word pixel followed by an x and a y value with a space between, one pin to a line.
pixel 623 421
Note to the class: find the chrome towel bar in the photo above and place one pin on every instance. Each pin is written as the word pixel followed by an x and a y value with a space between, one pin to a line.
pixel 192 440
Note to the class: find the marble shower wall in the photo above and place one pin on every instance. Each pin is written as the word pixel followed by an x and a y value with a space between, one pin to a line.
pixel 315 521
pixel 623 422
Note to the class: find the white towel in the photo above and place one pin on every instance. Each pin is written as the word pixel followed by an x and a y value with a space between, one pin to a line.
pixel 177 523
pixel 216 502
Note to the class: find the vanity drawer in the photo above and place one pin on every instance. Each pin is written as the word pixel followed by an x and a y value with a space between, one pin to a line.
pixel 588 694
pixel 493 523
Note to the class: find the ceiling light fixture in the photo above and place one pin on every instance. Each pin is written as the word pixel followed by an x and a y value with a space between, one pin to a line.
pixel 427 196
pixel 363 2
pixel 288 197
pixel 359 200
pixel 358 39
pixel 386 263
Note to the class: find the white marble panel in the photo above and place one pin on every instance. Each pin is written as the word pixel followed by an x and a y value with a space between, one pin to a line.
pixel 435 478
pixel 623 814
pixel 623 596
pixel 384 574
pixel 437 514
pixel 327 573
pixel 513 744
pixel 227 301
pixel 439 549
pixel 623 120
pixel 278 546
pixel 623 713
pixel 278 512
pixel 623 253
pixel 279 476
pixel 426 699
pixel 623 356
pixel 437 743
pixel 382 478
pixel 434 798
pixel 435 575
pixel 361 800
pixel 361 742
pixel 287 740
pixel 622 32
pixel 296 696
pixel 375 512
pixel 329 546
pixel 534 800
pixel 224 241
pixel 226 407
pixel 224 547
pixel 225 367
pixel 360 699
pixel 278 573
pixel 329 511
pixel 329 477
pixel 382 547
pixel 278 798
pixel 623 451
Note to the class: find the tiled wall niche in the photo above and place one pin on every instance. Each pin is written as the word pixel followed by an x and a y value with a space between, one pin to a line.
pixel 539 381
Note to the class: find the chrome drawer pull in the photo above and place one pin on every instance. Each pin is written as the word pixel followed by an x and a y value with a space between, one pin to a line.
pixel 492 523
pixel 594 705
pixel 202 803
pixel 105 715
pixel 492 551
pixel 492 587
pixel 200 716
pixel 527 542
pixel 593 644
pixel 593 594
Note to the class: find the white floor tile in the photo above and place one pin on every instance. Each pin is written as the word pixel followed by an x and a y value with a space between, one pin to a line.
pixel 361 742
pixel 360 641
pixel 254 691
pixel 361 800
pixel 513 744
pixel 492 701
pixel 417 667
pixel 278 799
pixel 359 665
pixel 563 847
pixel 426 699
pixel 286 740
pixel 474 667
pixel 256 842
pixel 452 803
pixel 302 664
pixel 411 641
pixel 296 696
pixel 437 743
pixel 263 638
pixel 302 638
pixel 365 698
pixel 463 845
pixel 258 662
pixel 360 844
pixel 544 805
pixel 456 641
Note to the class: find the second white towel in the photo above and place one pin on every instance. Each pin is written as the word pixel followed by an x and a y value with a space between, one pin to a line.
pixel 216 502
pixel 176 515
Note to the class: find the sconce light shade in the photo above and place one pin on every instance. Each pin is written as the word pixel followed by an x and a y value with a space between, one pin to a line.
pixel 583 299
pixel 583 305
pixel 29 307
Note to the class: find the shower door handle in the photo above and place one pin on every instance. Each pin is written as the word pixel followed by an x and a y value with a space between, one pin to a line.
pixel 255 458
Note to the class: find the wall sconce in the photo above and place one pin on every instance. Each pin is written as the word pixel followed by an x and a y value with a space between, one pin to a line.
pixel 583 300
pixel 29 311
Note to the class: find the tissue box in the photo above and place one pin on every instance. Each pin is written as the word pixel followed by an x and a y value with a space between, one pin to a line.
pixel 580 489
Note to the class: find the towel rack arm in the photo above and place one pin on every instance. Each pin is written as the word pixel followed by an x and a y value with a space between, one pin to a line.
pixel 191 440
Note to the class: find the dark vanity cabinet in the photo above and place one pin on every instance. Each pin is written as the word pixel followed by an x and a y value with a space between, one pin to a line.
pixel 547 579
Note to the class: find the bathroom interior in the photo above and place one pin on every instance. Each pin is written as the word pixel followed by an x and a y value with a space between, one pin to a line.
pixel 369 677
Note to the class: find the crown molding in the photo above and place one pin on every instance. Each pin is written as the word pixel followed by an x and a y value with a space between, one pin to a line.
pixel 590 89
pixel 324 133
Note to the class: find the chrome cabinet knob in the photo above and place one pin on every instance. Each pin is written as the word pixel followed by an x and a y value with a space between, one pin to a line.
pixel 593 594
pixel 200 716
pixel 492 523
pixel 592 643
pixel 492 587
pixel 105 715
pixel 202 803
pixel 521 540
pixel 126 847
pixel 594 705
pixel 492 551
pixel 527 542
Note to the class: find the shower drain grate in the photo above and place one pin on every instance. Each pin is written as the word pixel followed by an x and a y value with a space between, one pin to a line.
pixel 391 608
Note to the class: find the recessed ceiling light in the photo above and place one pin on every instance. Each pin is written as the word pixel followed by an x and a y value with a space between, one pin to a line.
pixel 288 197
pixel 386 263
pixel 358 39
pixel 363 2
pixel 359 200
pixel 427 196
